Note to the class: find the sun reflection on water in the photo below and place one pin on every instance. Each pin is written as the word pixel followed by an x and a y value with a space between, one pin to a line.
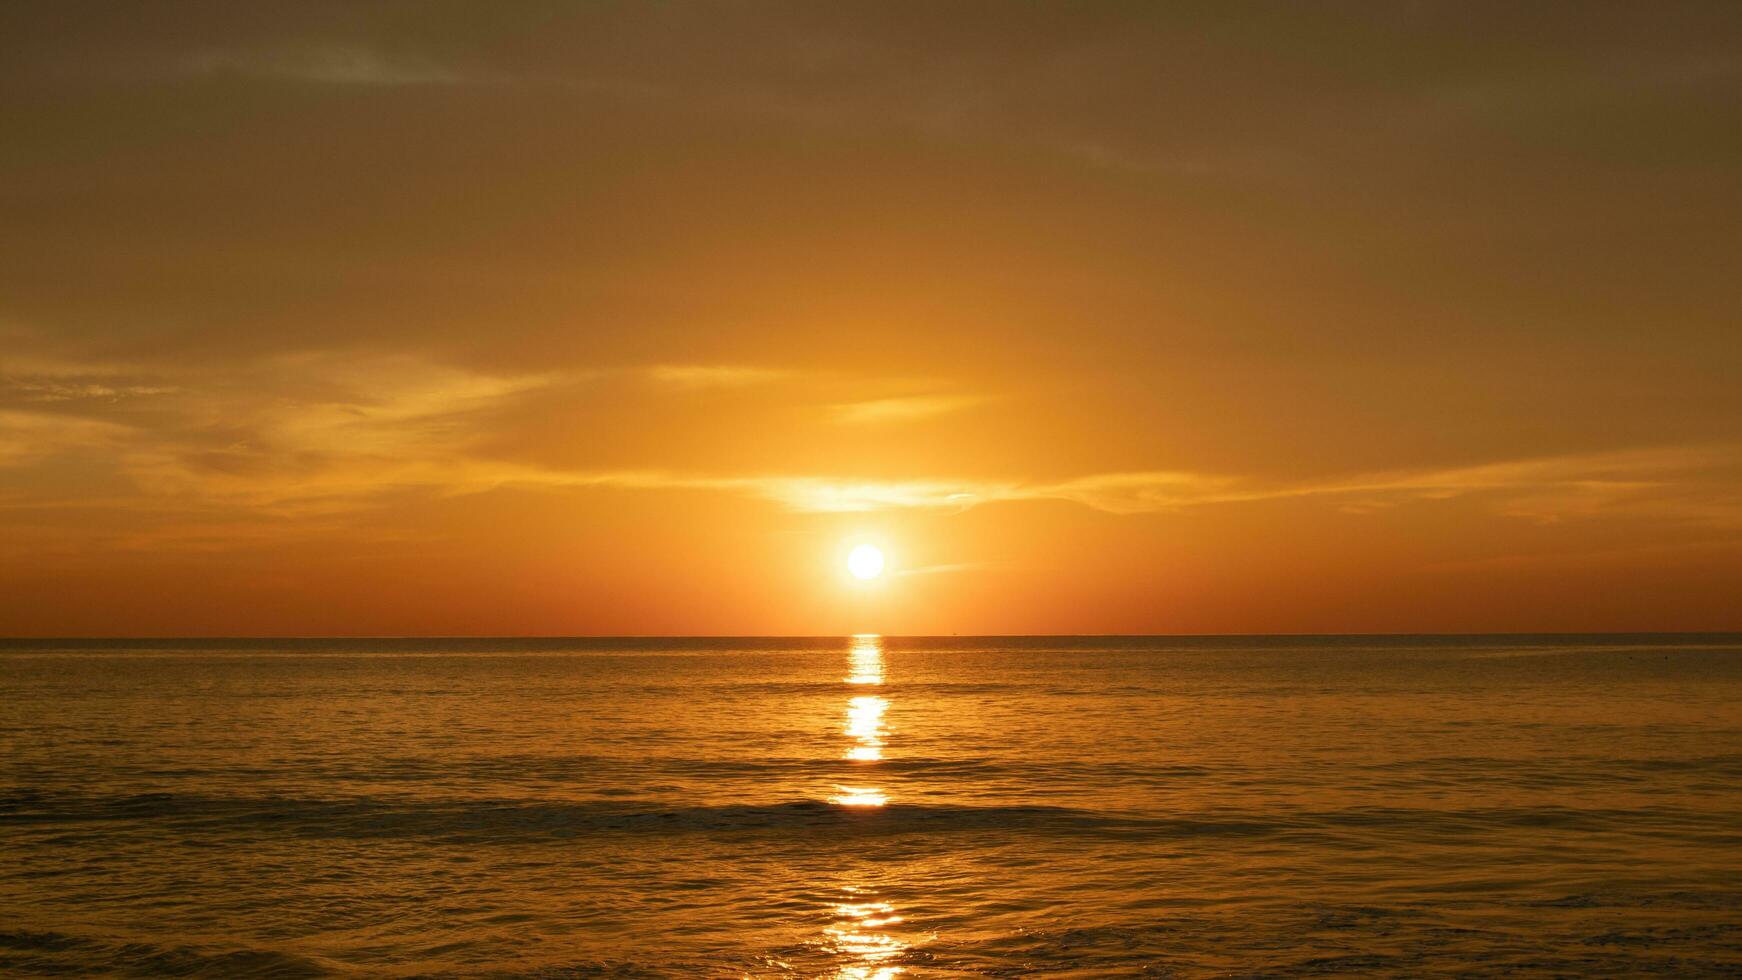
pixel 857 933
pixel 859 796
pixel 864 726
pixel 865 659
pixel 860 932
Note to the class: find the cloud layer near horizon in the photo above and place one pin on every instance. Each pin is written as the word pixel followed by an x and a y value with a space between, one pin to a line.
pixel 326 433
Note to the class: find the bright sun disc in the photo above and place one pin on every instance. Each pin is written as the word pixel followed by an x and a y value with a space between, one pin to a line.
pixel 865 561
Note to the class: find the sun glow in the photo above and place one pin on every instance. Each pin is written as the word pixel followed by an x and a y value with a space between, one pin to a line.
pixel 865 561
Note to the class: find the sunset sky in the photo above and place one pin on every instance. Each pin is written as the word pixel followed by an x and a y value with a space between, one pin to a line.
pixel 542 318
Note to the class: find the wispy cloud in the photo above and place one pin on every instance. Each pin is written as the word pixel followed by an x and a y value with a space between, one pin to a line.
pixel 26 437
pixel 905 409
pixel 330 433
pixel 1665 483
pixel 333 64
pixel 715 375
pixel 68 390
pixel 948 569
pixel 349 430
pixel 1136 493
pixel 805 494
pixel 826 495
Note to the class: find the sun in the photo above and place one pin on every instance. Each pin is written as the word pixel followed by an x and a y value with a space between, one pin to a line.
pixel 865 561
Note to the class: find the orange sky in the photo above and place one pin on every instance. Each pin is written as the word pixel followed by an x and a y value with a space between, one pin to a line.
pixel 490 318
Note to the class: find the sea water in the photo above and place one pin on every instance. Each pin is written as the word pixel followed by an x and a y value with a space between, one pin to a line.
pixel 869 807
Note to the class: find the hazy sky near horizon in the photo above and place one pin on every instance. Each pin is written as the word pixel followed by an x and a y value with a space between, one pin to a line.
pixel 485 317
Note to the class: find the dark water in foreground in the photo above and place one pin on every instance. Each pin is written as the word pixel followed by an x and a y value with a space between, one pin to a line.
pixel 864 808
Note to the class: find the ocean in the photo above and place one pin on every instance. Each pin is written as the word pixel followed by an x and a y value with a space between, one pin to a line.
pixel 868 807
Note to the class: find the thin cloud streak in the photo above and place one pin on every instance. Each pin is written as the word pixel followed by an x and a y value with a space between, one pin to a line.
pixel 906 409
pixel 26 437
pixel 715 375
pixel 324 433
pixel 336 64
pixel 1661 483
pixel 948 569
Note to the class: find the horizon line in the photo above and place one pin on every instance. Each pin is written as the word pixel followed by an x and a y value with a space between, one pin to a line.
pixel 1737 632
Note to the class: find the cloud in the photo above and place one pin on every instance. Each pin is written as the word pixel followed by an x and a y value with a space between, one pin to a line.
pixel 714 375
pixel 26 437
pixel 1672 482
pixel 947 569
pixel 1679 482
pixel 804 494
pixel 1136 493
pixel 906 409
pixel 60 390
pixel 335 64
pixel 1661 484
pixel 301 432
pixel 330 433
pixel 824 495
pixel 1665 482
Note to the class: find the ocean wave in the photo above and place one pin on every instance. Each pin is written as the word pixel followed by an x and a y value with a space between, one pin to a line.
pixel 498 819
pixel 518 775
pixel 46 952
pixel 507 820
pixel 594 768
